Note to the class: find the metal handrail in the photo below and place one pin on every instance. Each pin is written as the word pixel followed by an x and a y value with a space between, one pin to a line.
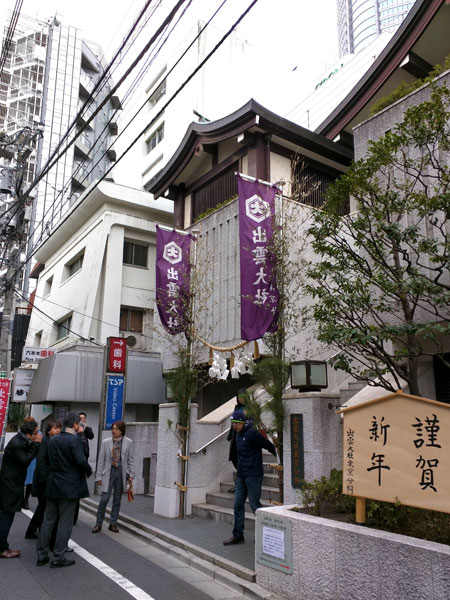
pixel 210 442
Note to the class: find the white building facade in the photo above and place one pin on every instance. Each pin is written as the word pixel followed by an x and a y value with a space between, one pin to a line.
pixel 97 279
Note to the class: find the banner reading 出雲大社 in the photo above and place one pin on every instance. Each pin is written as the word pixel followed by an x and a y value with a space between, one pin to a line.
pixel 173 279
pixel 259 293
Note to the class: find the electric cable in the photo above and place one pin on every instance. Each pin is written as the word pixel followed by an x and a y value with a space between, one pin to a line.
pixel 10 33
pixel 97 86
pixel 82 314
pixel 141 108
pixel 136 82
pixel 53 321
pixel 52 207
pixel 51 162
pixel 174 95
pixel 102 80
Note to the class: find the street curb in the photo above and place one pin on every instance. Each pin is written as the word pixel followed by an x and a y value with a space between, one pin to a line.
pixel 221 569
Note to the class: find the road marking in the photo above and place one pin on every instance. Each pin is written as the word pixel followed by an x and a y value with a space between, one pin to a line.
pixel 119 579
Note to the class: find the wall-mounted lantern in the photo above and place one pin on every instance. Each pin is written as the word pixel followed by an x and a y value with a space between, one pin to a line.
pixel 309 375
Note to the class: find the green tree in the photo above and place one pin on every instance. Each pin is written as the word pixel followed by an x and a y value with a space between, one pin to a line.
pixel 380 279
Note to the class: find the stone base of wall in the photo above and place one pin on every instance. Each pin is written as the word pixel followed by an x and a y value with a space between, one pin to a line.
pixel 338 561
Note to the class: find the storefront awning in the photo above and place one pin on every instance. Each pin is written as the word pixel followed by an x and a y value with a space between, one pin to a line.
pixel 76 375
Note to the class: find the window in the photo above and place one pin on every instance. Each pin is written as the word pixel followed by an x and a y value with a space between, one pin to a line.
pixel 64 327
pixel 158 93
pixel 156 137
pixel 48 286
pixel 73 266
pixel 131 319
pixel 135 254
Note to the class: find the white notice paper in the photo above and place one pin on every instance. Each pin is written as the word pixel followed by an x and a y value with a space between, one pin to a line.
pixel 273 542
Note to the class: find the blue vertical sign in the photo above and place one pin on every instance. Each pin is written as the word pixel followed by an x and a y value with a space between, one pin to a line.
pixel 114 399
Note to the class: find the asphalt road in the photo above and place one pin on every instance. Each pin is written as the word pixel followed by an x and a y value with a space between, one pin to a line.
pixel 108 566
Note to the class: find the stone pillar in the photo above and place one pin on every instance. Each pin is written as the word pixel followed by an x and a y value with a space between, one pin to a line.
pixel 322 437
pixel 168 466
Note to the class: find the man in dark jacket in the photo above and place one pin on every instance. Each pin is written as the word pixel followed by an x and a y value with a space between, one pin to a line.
pixel 85 433
pixel 19 453
pixel 68 468
pixel 250 472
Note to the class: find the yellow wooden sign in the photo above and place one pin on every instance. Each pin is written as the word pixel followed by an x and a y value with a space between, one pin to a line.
pixel 397 448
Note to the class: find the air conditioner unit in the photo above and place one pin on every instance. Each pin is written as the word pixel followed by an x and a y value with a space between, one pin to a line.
pixel 135 342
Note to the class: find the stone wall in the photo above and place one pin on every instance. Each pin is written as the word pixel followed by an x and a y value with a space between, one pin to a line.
pixel 145 438
pixel 337 561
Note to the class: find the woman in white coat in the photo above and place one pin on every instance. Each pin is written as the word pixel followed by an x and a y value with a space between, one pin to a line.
pixel 115 467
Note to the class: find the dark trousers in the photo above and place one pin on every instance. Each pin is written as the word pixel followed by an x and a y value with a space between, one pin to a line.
pixel 245 486
pixel 36 520
pixel 62 509
pixel 116 486
pixel 6 520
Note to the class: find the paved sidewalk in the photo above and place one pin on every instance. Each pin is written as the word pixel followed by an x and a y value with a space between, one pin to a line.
pixel 207 534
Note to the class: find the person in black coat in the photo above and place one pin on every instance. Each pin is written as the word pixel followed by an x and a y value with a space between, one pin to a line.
pixel 18 454
pixel 40 480
pixel 68 468
pixel 85 434
pixel 250 471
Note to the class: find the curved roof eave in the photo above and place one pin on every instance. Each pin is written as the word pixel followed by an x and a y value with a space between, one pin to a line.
pixel 390 58
pixel 250 115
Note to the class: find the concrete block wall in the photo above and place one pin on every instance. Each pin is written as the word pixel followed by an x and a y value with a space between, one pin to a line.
pixel 337 561
pixel 145 438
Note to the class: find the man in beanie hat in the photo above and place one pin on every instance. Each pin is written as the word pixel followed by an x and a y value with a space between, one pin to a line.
pixel 242 396
pixel 250 473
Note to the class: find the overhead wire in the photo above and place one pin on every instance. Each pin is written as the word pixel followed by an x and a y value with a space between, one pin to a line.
pixel 171 99
pixel 15 207
pixel 87 176
pixel 80 313
pixel 51 162
pixel 53 321
pixel 104 77
pixel 47 167
pixel 145 103
pixel 10 34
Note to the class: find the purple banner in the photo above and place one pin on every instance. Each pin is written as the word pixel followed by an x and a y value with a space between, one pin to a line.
pixel 259 293
pixel 172 279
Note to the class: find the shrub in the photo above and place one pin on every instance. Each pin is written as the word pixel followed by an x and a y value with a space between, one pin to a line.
pixel 324 497
pixel 406 88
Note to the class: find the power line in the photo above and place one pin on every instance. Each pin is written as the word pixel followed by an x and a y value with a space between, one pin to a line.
pixel 53 321
pixel 86 177
pixel 80 313
pixel 97 87
pixel 146 101
pixel 52 161
pixel 174 95
pixel 60 194
pixel 10 33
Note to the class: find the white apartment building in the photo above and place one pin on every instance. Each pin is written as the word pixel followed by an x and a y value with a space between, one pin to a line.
pixel 49 73
pixel 96 278
pixel 222 85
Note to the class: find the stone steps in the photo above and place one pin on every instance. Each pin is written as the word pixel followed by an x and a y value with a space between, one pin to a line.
pixel 220 513
pixel 268 492
pixel 219 505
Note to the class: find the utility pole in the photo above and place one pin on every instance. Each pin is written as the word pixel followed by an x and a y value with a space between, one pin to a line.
pixel 13 235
